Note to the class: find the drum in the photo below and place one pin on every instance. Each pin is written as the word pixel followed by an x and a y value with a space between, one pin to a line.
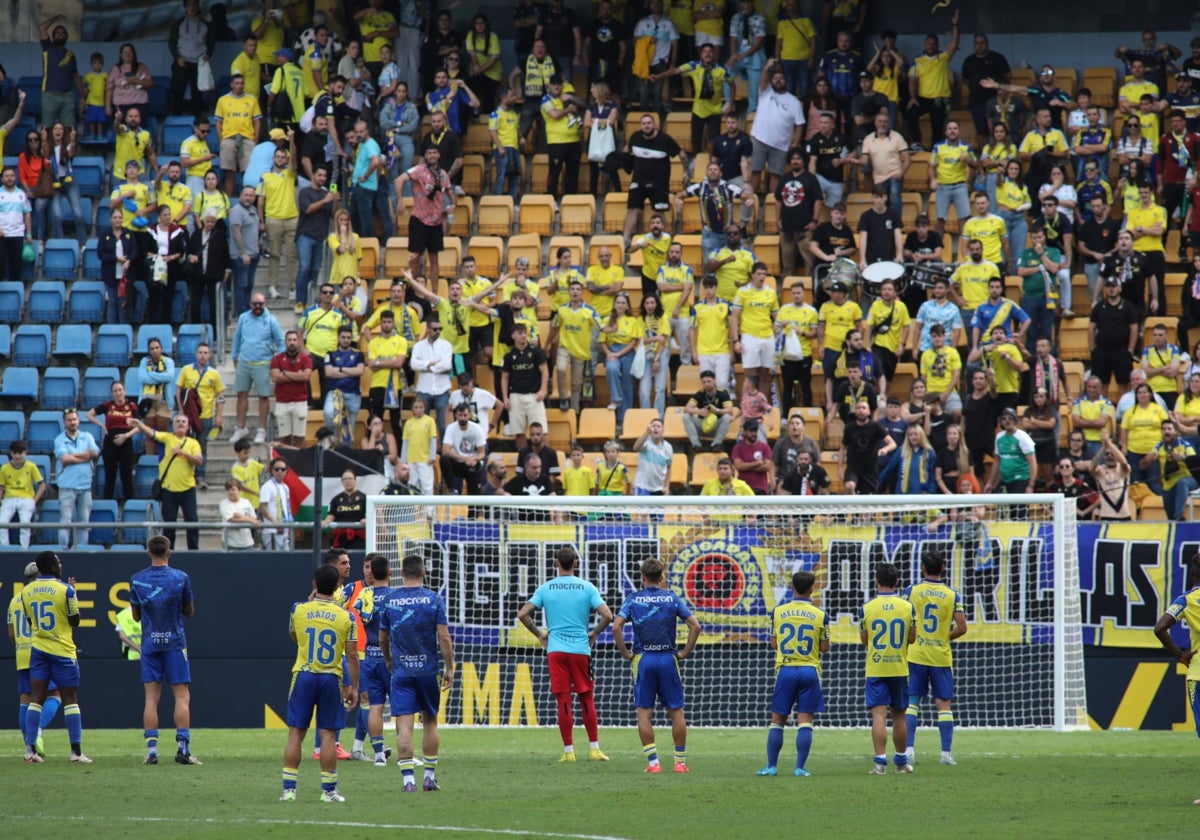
pixel 842 271
pixel 925 274
pixel 878 272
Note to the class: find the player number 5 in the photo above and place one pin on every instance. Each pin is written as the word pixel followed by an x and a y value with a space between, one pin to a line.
pixel 931 619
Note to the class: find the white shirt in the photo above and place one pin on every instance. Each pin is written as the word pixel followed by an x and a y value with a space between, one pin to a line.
pixel 275 497
pixel 433 361
pixel 237 537
pixel 14 204
pixel 777 116
pixel 465 441
pixel 654 466
pixel 481 403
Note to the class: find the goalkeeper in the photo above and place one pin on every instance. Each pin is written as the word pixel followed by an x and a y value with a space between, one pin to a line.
pixel 653 612
pixel 941 620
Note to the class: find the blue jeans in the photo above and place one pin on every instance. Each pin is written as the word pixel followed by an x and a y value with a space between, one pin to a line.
pixel 620 380
pixel 952 194
pixel 362 201
pixel 41 209
pixel 74 506
pixel 797 76
pixel 711 240
pixel 308 260
pixel 1175 498
pixel 436 404
pixel 1018 227
pixel 750 69
pixel 1150 474
pixel 506 163
pixel 206 426
pixel 831 193
pixel 243 284
pixel 68 194
pixel 353 405
pixel 657 381
pixel 114 312
pixel 1041 322
pixel 384 210
pixel 895 187
pixel 406 148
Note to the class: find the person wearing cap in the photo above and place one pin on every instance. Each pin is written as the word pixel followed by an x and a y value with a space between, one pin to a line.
pixel 561 112
pixel 835 318
pixel 195 155
pixel 865 105
pixel 1186 99
pixel 262 155
pixel 1015 466
pixel 288 81
pixel 752 459
pixel 1113 333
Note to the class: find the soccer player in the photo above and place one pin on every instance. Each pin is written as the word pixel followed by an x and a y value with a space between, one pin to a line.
pixel 887 626
pixel 1187 607
pixel 324 633
pixel 345 595
pixel 929 661
pixel 653 612
pixel 799 635
pixel 51 609
pixel 161 597
pixel 412 629
pixel 20 633
pixel 374 678
pixel 568 603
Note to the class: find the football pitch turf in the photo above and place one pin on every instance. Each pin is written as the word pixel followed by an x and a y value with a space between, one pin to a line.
pixel 509 783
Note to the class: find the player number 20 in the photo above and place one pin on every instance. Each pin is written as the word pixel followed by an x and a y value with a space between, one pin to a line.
pixel 894 630
pixel 321 646
pixel 794 640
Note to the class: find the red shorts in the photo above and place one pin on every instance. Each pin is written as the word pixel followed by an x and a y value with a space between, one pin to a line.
pixel 570 672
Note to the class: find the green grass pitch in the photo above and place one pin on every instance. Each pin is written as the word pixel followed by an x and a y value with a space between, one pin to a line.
pixel 508 783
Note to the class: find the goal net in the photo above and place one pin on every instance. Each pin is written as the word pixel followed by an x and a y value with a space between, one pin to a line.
pixel 1013 560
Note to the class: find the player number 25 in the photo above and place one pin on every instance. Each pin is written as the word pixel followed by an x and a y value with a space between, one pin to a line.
pixel 794 640
pixel 321 645
pixel 895 631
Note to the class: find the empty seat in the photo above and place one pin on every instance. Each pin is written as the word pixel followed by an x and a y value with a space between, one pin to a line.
pixel 47 298
pixel 89 176
pixel 73 342
pixel 31 345
pixel 395 256
pixel 190 337
pixel 488 252
pixel 529 246
pixel 60 388
pixel 537 214
pixel 577 214
pixel 175 131
pixel 136 510
pixel 144 475
pixel 162 332
pixel 86 304
pixel 104 512
pixel 495 215
pixel 5 342
pixel 60 259
pixel 20 384
pixel 97 385
pixel 12 427
pixel 48 514
pixel 91 261
pixel 368 263
pixel 44 427
pixel 12 301
pixel 114 344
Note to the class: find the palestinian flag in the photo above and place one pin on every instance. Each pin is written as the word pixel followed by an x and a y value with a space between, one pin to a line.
pixel 302 468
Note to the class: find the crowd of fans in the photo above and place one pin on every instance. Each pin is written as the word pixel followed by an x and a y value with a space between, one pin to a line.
pixel 344 125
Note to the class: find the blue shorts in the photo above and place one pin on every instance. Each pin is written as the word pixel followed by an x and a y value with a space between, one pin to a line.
pixel 656 676
pixel 322 692
pixel 25 685
pixel 411 695
pixel 797 687
pixel 96 114
pixel 923 678
pixel 375 680
pixel 169 665
pixel 53 669
pixel 887 691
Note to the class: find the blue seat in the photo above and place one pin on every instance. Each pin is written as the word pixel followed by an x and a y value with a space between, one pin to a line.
pixel 223 85
pixel 5 342
pixel 104 512
pixel 14 144
pixel 159 96
pixel 60 259
pixel 96 430
pixel 144 475
pixel 73 342
pixel 80 225
pixel 32 85
pixel 12 427
pixel 91 260
pixel 189 338
pixel 102 143
pixel 60 388
pixel 47 298
pixel 31 345
pixel 133 385
pixel 20 384
pixel 49 514
pixel 97 385
pixel 89 176
pixel 162 332
pixel 150 124
pixel 43 428
pixel 42 462
pixel 114 344
pixel 175 131
pixel 103 223
pixel 137 510
pixel 86 303
pixel 12 301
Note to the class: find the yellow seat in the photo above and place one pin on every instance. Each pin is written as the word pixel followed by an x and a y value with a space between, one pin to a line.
pixel 1102 82
pixel 770 214
pixel 614 212
pixel 537 175
pixel 766 248
pixel 857 203
pixel 562 427
pixel 901 382
pixel 829 462
pixel 575 243
pixel 1073 340
pixel 450 257
pixel 636 422
pixel 478 139
pixel 395 256
pixel 1168 321
pixel 368 263
pixel 495 215
pixel 679 126
pixel 381 292
pixel 1151 509
pixel 615 244
pixel 596 425
pixel 529 246
pixel 1074 373
pixel 704 467
pixel 1173 294
pixel 687 381
pixel 814 421
pixel 488 252
pixel 693 251
pixel 537 214
pixel 1066 78
pixel 678 176
pixel 679 469
pixel 916 179
pixel 689 218
pixel 673 429
pixel 472 174
pixel 577 215
pixel 464 216
pixel 910 209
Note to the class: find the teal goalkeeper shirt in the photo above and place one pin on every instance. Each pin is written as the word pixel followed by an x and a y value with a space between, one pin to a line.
pixel 567 602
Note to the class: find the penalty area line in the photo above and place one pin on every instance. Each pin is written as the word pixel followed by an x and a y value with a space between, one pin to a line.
pixel 331 823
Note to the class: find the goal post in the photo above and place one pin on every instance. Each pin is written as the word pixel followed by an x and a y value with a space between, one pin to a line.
pixel 1012 559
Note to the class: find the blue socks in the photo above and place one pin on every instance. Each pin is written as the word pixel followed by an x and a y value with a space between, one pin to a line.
pixel 804 738
pixel 912 717
pixel 74 724
pixel 946 728
pixel 49 710
pixel 183 740
pixel 774 744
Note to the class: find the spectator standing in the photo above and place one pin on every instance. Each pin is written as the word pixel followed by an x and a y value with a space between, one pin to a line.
pixel 841 66
pixel 316 206
pixel 177 472
pixel 205 381
pixel 778 126
pixel 208 255
pixel 22 486
pixel 433 362
pixel 256 339
pixel 243 249
pixel 366 197
pixel 278 214
pixel 239 126
pixel 433 201
pixel 190 41
pixel 127 82
pixel 16 223
pixel 344 367
pixel 118 252
pixel 76 452
pixel 62 79
pixel 888 156
pixel 982 64
pixel 290 372
pixel 275 505
pixel 117 450
pixel 31 164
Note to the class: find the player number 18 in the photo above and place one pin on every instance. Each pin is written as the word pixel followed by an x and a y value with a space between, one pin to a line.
pixel 321 645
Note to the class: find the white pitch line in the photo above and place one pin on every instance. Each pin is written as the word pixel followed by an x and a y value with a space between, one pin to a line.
pixel 333 823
